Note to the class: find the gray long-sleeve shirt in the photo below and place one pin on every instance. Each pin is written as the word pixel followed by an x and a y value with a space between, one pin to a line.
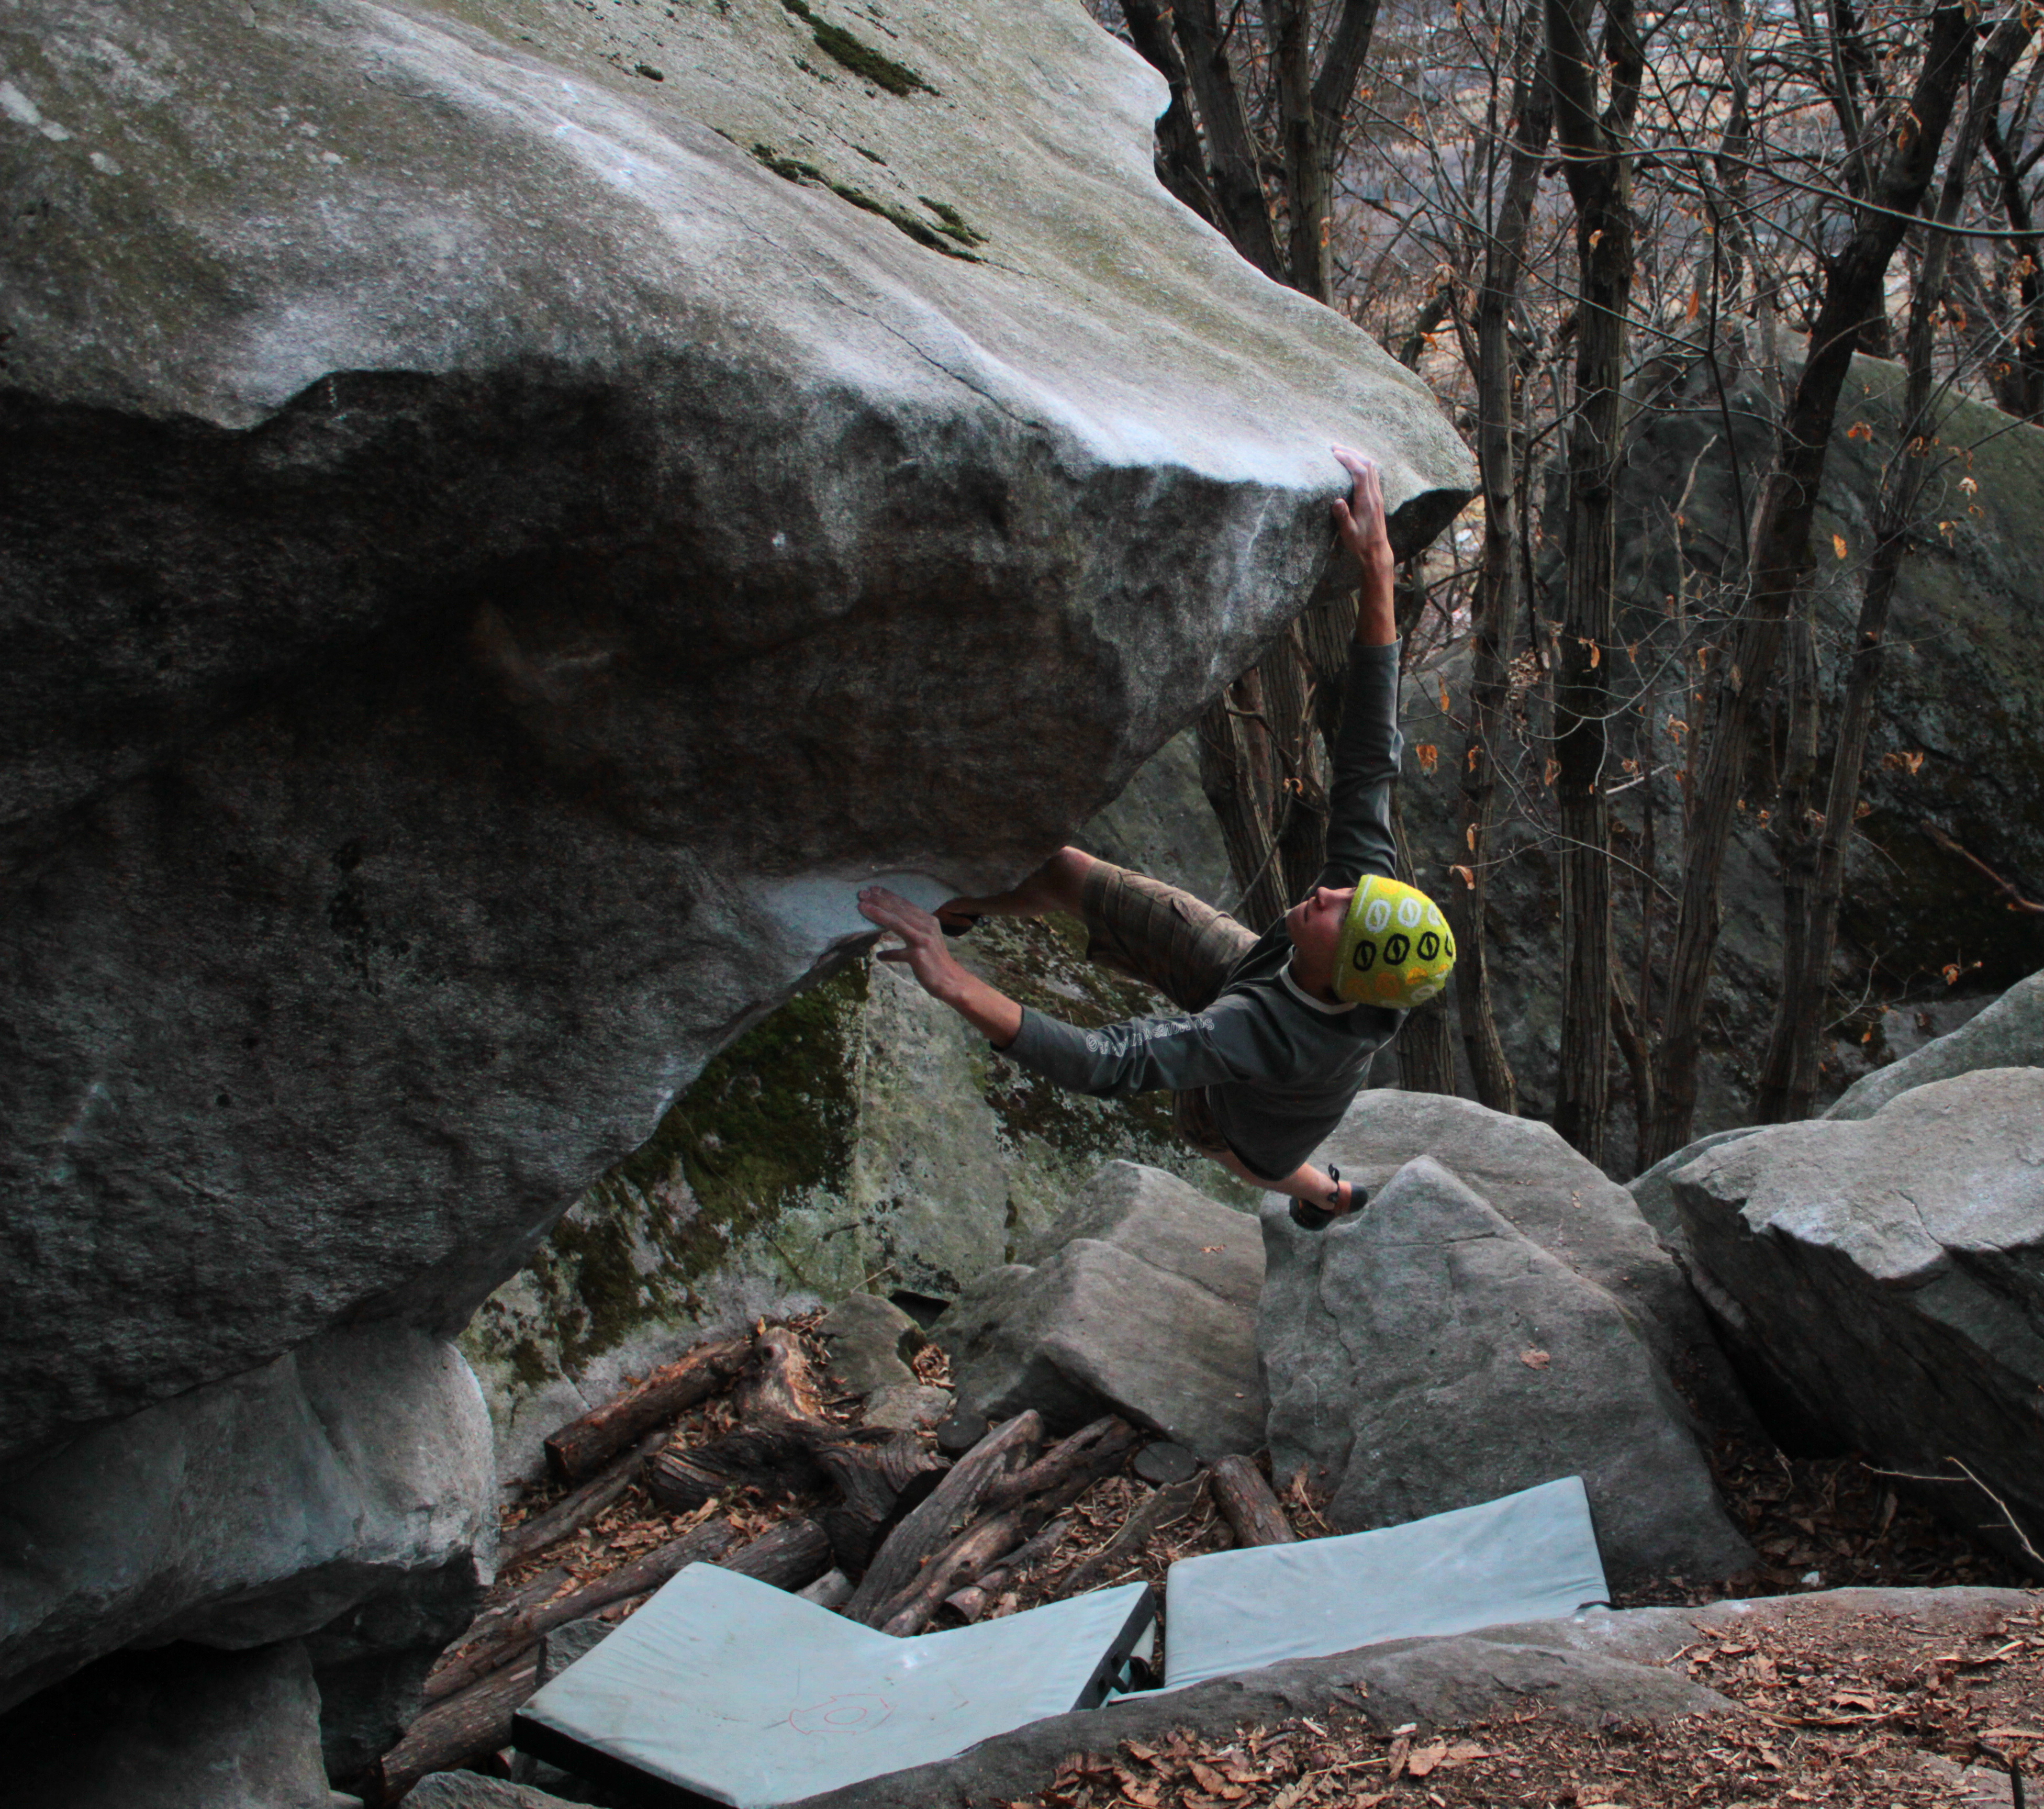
pixel 1283 1067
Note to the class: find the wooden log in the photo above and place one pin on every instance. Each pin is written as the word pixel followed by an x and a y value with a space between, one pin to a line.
pixel 880 1476
pixel 1161 1508
pixel 572 1512
pixel 584 1444
pixel 453 1733
pixel 973 1551
pixel 447 1678
pixel 1243 1494
pixel 1094 1450
pixel 775 1383
pixel 880 1482
pixel 789 1556
pixel 648 1571
pixel 951 1506
pixel 970 1602
pixel 775 1461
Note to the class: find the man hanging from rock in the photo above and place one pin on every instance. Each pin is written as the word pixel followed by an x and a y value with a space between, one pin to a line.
pixel 1277 1031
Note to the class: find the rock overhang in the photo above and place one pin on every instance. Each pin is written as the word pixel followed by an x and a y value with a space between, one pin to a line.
pixel 546 525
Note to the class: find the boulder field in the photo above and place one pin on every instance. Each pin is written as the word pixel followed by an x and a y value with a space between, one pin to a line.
pixel 516 513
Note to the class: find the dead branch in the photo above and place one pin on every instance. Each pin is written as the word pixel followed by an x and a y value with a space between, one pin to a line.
pixel 1245 1499
pixel 951 1507
pixel 582 1445
pixel 1162 1508
pixel 573 1511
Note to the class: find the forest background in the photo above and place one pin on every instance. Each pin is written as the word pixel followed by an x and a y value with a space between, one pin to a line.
pixel 1576 218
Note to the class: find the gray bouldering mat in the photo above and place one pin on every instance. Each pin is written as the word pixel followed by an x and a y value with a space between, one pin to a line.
pixel 1528 1557
pixel 723 1690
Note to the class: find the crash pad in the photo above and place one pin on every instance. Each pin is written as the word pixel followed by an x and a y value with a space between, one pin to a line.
pixel 724 1690
pixel 1531 1556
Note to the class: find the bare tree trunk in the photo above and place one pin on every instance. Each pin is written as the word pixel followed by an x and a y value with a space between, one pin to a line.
pixel 1181 161
pixel 1781 560
pixel 1600 182
pixel 1238 186
pixel 1491 612
pixel 1426 1049
pixel 2026 330
pixel 1788 1079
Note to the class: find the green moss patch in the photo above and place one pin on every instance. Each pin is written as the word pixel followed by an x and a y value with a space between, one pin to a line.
pixel 794 170
pixel 859 57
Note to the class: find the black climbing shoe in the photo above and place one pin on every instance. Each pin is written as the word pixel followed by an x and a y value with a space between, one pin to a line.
pixel 1311 1218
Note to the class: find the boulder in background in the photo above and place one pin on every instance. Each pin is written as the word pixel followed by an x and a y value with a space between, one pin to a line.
pixel 2009 1034
pixel 1888 1272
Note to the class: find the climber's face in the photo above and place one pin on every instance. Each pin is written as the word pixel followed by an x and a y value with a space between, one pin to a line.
pixel 1315 925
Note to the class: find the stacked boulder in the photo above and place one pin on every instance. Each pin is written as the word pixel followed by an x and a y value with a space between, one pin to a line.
pixel 1499 1315
pixel 1141 1300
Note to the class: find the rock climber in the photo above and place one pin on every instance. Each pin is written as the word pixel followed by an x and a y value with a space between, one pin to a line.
pixel 1277 1031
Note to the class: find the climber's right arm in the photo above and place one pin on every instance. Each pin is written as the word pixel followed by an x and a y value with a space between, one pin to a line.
pixel 989 1011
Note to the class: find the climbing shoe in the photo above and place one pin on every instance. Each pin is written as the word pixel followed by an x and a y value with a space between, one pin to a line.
pixel 1310 1218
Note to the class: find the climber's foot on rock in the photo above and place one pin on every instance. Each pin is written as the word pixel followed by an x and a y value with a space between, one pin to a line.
pixel 1317 1214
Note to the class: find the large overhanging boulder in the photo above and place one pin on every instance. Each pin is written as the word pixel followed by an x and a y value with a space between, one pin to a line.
pixel 515 509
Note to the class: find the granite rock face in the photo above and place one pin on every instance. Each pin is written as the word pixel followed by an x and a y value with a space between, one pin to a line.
pixel 679 501
pixel 342 1492
pixel 1889 1273
pixel 2009 1034
pixel 181 1728
pixel 863 1136
pixel 1426 1354
pixel 1141 1299
pixel 1527 1173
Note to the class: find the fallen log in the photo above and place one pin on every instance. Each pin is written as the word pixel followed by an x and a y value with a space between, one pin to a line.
pixel 453 1733
pixel 468 1665
pixel 1062 1475
pixel 786 1448
pixel 1245 1498
pixel 584 1444
pixel 488 1626
pixel 1161 1508
pixel 880 1482
pixel 951 1507
pixel 970 1602
pixel 967 1555
pixel 775 1383
pixel 572 1512
pixel 790 1556
pixel 1094 1451
pixel 775 1461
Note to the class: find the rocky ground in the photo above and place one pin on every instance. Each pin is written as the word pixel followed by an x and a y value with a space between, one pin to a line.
pixel 1882 1710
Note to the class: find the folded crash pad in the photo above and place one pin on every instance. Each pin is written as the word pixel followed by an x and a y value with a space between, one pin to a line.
pixel 1532 1556
pixel 723 1690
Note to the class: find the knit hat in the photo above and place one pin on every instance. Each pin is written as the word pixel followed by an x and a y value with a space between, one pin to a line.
pixel 1396 947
